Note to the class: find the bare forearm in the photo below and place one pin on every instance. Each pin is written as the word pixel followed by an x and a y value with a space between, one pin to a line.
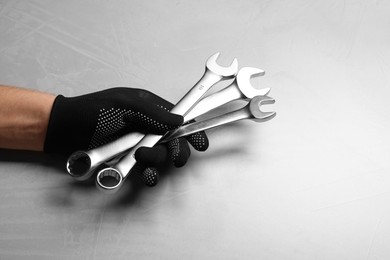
pixel 24 116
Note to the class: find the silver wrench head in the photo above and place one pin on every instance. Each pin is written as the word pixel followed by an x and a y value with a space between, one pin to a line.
pixel 79 165
pixel 225 72
pixel 254 108
pixel 244 84
pixel 109 179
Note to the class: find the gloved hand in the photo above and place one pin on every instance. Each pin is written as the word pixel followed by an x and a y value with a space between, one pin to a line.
pixel 177 150
pixel 89 121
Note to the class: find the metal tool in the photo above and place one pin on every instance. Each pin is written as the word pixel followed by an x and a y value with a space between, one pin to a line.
pixel 81 164
pixel 250 111
pixel 240 88
pixel 110 179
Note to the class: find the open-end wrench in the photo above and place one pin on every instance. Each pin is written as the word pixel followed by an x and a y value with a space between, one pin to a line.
pixel 81 164
pixel 250 111
pixel 240 88
pixel 110 179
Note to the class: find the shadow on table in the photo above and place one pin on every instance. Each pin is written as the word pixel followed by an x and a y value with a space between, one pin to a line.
pixel 134 189
pixel 56 164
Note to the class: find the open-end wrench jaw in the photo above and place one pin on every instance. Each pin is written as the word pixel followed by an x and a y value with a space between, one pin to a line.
pixel 225 72
pixel 213 74
pixel 243 79
pixel 254 108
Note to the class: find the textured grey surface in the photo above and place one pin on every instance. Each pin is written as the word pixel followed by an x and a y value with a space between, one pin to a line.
pixel 313 183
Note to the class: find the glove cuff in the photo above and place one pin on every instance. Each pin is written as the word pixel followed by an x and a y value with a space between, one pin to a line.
pixel 63 136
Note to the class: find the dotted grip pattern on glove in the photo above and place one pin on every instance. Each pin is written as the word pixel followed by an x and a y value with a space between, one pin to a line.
pixel 178 151
pixel 112 121
pixel 91 120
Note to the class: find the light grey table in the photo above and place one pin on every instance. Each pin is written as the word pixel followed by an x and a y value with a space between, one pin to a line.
pixel 313 183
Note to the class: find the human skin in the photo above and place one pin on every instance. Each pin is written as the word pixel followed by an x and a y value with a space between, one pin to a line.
pixel 24 117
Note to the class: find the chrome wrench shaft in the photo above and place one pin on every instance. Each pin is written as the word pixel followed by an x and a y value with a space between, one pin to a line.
pixel 240 88
pixel 213 74
pixel 250 111
pixel 81 164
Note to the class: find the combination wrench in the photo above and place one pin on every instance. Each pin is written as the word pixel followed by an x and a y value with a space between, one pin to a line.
pixel 251 111
pixel 240 88
pixel 110 179
pixel 81 164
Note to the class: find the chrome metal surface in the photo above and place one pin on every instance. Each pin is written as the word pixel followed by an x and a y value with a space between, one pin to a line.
pixel 250 111
pixel 213 74
pixel 81 164
pixel 240 88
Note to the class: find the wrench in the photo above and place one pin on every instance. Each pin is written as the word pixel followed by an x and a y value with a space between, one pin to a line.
pixel 110 179
pixel 81 164
pixel 241 88
pixel 250 111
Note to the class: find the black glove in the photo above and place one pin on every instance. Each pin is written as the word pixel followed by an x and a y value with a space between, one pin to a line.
pixel 89 121
pixel 177 150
